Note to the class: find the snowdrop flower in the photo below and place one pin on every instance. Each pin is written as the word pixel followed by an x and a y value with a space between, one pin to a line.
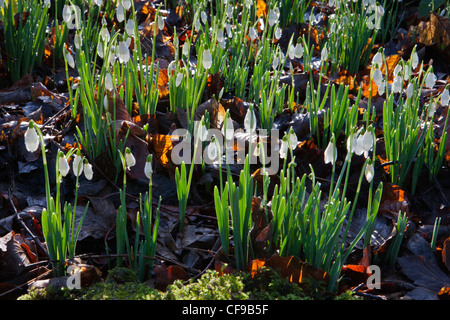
pixel 230 11
pixel 278 32
pixel 197 25
pixel 31 138
pixel 87 169
pixel 252 33
pixel 130 161
pixel 70 60
pixel 445 97
pixel 409 90
pixel 211 149
pixel 160 23
pixel 105 102
pixel 406 74
pixel 378 77
pixel 381 88
pixel 431 109
pixel 77 164
pixel 397 69
pixel 207 59
pixel 330 154
pixel 98 2
pixel 204 17
pixel 367 142
pixel 228 127
pixel 248 3
pixel 291 52
pixel 100 49
pixel 298 51
pixel 77 40
pixel 430 80
pixel 273 16
pixel 414 60
pixel 109 82
pixel 332 3
pixel 148 170
pixel 397 84
pixel 123 52
pixel 129 27
pixel 67 13
pixel 289 141
pixel 324 53
pixel 369 171
pixel 120 13
pixel 63 165
pixel 104 33
pixel 250 121
pixel 352 142
pixel 185 50
pixel 275 62
pixel 229 31
pixel 178 79
pixel 377 59
pixel 126 4
pixel 203 130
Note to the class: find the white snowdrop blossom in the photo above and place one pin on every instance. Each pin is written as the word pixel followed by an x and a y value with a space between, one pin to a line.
pixel 397 84
pixel 367 142
pixel 204 17
pixel 330 154
pixel 98 2
pixel 252 33
pixel 31 138
pixel 381 88
pixel 70 60
pixel 130 161
pixel 211 150
pixel 129 27
pixel 123 52
pixel 178 79
pixel 378 77
pixel 126 4
pixel 430 80
pixel 250 121
pixel 63 165
pixel 67 13
pixel 207 59
pixel 324 53
pixel 291 52
pixel 414 60
pixel 77 40
pixel 431 109
pixel 202 131
pixel 100 49
pixel 228 127
pixel 77 165
pixel 120 13
pixel 148 170
pixel 87 169
pixel 352 142
pixel 229 31
pixel 273 16
pixel 109 82
pixel 160 23
pixel 409 90
pixel 278 32
pixel 398 68
pixel 369 171
pixel 298 51
pixel 377 59
pixel 445 97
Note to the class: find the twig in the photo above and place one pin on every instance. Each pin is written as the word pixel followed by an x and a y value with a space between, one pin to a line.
pixel 35 239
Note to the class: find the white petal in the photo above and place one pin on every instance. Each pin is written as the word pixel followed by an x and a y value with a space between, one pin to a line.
pixel 88 173
pixel 70 60
pixel 63 165
pixel 330 153
pixel 430 80
pixel 77 165
pixel 377 58
pixel 283 149
pixel 109 82
pixel 178 79
pixel 160 23
pixel 369 172
pixel 129 158
pixel 148 170
pixel 250 121
pixel 207 59
pixel 298 50
pixel 120 13
pixel 31 140
pixel 67 13
pixel 378 77
pixel 409 90
pixel 228 133
pixel 123 52
pixel 445 97
pixel 367 141
pixel 129 27
pixel 414 60
pixel 126 4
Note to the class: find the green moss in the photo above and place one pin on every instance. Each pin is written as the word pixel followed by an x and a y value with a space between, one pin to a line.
pixel 122 284
pixel 208 287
